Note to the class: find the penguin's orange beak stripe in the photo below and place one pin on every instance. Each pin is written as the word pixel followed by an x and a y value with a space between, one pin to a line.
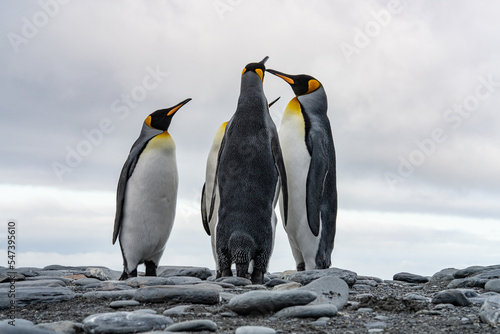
pixel 174 110
pixel 287 79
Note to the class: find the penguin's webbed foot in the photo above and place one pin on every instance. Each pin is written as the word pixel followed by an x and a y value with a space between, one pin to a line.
pixel 301 266
pixel 257 276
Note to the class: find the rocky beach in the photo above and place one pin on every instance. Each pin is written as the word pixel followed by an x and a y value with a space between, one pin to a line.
pixel 85 299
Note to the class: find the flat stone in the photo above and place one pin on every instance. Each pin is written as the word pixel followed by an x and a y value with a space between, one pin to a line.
pixel 477 280
pixel 369 278
pixel 362 287
pixel 8 329
pixel 209 286
pixel 234 280
pixel 139 282
pixel 200 272
pixel 125 322
pixel 323 321
pixel 68 327
pixel 306 277
pixel 410 278
pixel 102 273
pixel 177 310
pixel 227 296
pixel 120 294
pixel 364 310
pixel 123 303
pixel 444 275
pixel 86 281
pixel 67 268
pixel 287 286
pixel 177 294
pixel 276 281
pixel 369 282
pixel 490 311
pixel 254 330
pixel 493 285
pixel 111 286
pixel 264 302
pixel 18 322
pixel 308 311
pixel 39 294
pixel 417 297
pixel 181 280
pixel 454 297
pixel 376 324
pixel 35 283
pixel 330 290
pixel 4 278
pixel 193 326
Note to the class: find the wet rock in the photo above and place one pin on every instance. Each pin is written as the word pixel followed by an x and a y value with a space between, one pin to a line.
pixel 200 272
pixel 330 290
pixel 193 326
pixel 263 302
pixel 490 311
pixel 176 294
pixel 454 297
pixel 306 277
pixel 38 294
pixel 254 330
pixel 308 311
pixel 410 278
pixel 68 327
pixel 125 322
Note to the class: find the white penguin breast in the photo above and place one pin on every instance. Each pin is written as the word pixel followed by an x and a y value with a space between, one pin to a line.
pixel 297 159
pixel 151 197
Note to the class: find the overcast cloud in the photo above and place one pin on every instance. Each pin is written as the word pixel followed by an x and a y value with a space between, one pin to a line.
pixel 413 88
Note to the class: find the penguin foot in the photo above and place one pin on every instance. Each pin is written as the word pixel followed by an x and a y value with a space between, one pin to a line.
pixel 126 275
pixel 301 266
pixel 257 276
pixel 227 273
pixel 150 268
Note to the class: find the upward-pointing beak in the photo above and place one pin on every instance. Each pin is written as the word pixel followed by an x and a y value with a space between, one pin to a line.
pixel 263 61
pixel 178 106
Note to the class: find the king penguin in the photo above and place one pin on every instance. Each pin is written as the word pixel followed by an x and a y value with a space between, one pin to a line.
pixel 147 195
pixel 247 169
pixel 308 152
pixel 208 188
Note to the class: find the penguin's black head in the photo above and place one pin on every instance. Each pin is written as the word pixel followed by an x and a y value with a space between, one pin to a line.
pixel 161 119
pixel 258 68
pixel 302 84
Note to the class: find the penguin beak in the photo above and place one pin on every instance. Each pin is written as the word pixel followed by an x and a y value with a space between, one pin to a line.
pixel 178 106
pixel 270 104
pixel 263 61
pixel 283 76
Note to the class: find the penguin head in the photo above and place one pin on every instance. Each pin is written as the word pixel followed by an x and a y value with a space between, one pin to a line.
pixel 161 119
pixel 302 84
pixel 258 68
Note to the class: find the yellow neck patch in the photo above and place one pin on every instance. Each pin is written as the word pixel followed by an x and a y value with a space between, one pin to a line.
pixel 148 121
pixel 161 142
pixel 313 85
pixel 260 74
pixel 293 107
pixel 244 70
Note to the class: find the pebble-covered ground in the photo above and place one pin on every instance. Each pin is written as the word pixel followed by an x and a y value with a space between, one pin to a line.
pixel 188 299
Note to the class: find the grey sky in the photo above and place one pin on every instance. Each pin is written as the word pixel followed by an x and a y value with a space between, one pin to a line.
pixel 413 93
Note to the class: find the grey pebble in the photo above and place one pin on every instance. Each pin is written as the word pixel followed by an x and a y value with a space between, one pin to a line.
pixel 180 280
pixel 454 296
pixel 123 303
pixel 307 276
pixel 493 285
pixel 193 326
pixel 263 302
pixel 124 322
pixel 86 281
pixel 410 278
pixel 276 281
pixel 330 289
pixel 308 311
pixel 120 294
pixel 417 297
pixel 68 327
pixel 364 310
pixel 444 275
pixel 177 310
pixel 169 271
pixel 254 330
pixel 35 283
pixel 236 281
pixel 176 294
pixel 102 273
pixel 138 282
pixel 376 324
pixel 490 311
pixel 321 321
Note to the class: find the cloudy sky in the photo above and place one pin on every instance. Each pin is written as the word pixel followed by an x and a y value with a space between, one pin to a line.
pixel 413 88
